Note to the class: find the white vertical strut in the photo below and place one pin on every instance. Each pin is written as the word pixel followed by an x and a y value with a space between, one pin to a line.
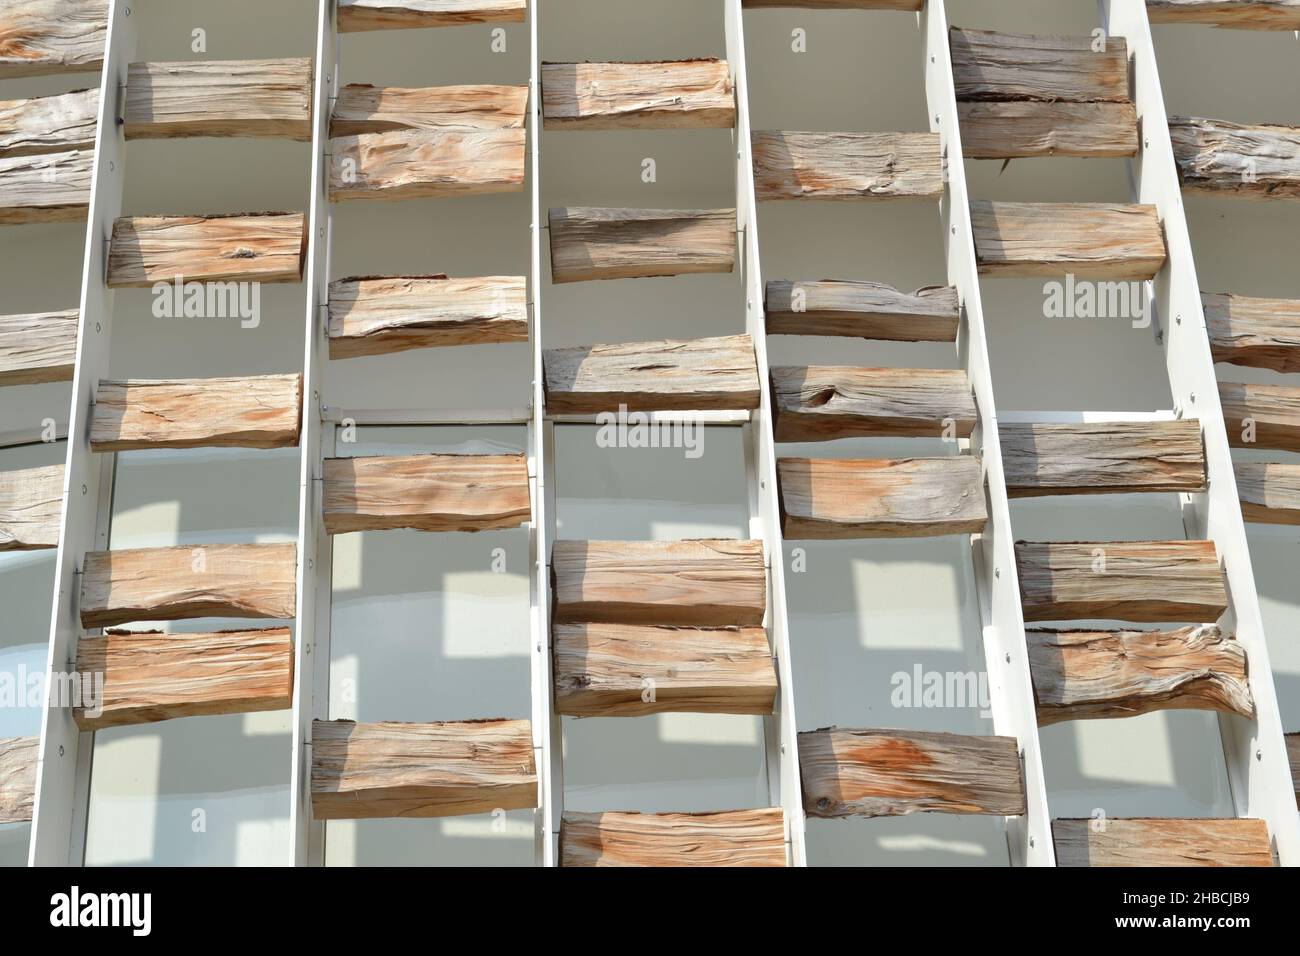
pixel 760 467
pixel 56 816
pixel 1006 657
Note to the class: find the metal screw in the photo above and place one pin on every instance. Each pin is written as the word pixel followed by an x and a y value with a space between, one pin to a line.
pixel 60 750
pixel 997 572
pixel 1008 657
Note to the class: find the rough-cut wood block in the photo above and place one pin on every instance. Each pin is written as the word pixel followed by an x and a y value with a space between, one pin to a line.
pixel 672 94
pixel 822 402
pixel 1269 491
pixel 258 411
pixel 590 243
pixel 698 583
pixel 1142 581
pixel 426 492
pixel 362 108
pixel 1216 157
pixel 170 584
pixel 790 165
pixel 987 65
pixel 1088 240
pixel 31 507
pixel 376 315
pixel 912 5
pixel 880 498
pixel 151 676
pixel 49 124
pixel 267 247
pixel 886 773
pixel 1261 333
pixel 51 187
pixel 622 670
pixel 667 375
pixel 36 348
pixel 52 36
pixel 1017 129
pixel 355 15
pixel 1162 842
pixel 1102 458
pixel 415 164
pixel 724 838
pixel 391 769
pixel 1085 675
pixel 1236 14
pixel 867 310
pixel 219 98
pixel 1261 416
pixel 17 777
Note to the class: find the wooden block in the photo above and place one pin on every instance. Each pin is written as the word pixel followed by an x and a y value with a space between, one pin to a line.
pixel 362 108
pixel 622 670
pixel 257 411
pixel 1216 157
pixel 1018 129
pixel 49 124
pixel 672 94
pixel 31 507
pixel 390 769
pixel 18 757
pixel 667 375
pixel 697 583
pixel 377 315
pixel 886 773
pixel 1269 491
pixel 171 584
pixel 40 347
pixel 1102 458
pixel 416 164
pixel 52 187
pixel 219 98
pixel 880 498
pixel 150 676
pixel 356 15
pixel 789 165
pixel 52 36
pixel 1236 14
pixel 267 247
pixel 723 838
pixel 1293 754
pixel 589 243
pixel 426 492
pixel 987 65
pixel 822 402
pixel 1088 240
pixel 1261 333
pixel 1162 842
pixel 1261 416
pixel 867 310
pixel 1087 675
pixel 1141 581
pixel 912 5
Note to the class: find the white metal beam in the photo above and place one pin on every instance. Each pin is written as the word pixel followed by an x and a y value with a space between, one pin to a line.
pixel 311 634
pixel 1254 750
pixel 1006 657
pixel 760 466
pixel 55 818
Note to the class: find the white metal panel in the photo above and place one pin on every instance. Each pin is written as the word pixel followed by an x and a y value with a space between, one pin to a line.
pixel 1005 653
pixel 311 658
pixel 760 466
pixel 547 731
pixel 56 817
pixel 1254 750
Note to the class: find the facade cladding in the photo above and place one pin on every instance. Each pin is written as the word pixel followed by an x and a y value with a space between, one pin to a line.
pixel 598 432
